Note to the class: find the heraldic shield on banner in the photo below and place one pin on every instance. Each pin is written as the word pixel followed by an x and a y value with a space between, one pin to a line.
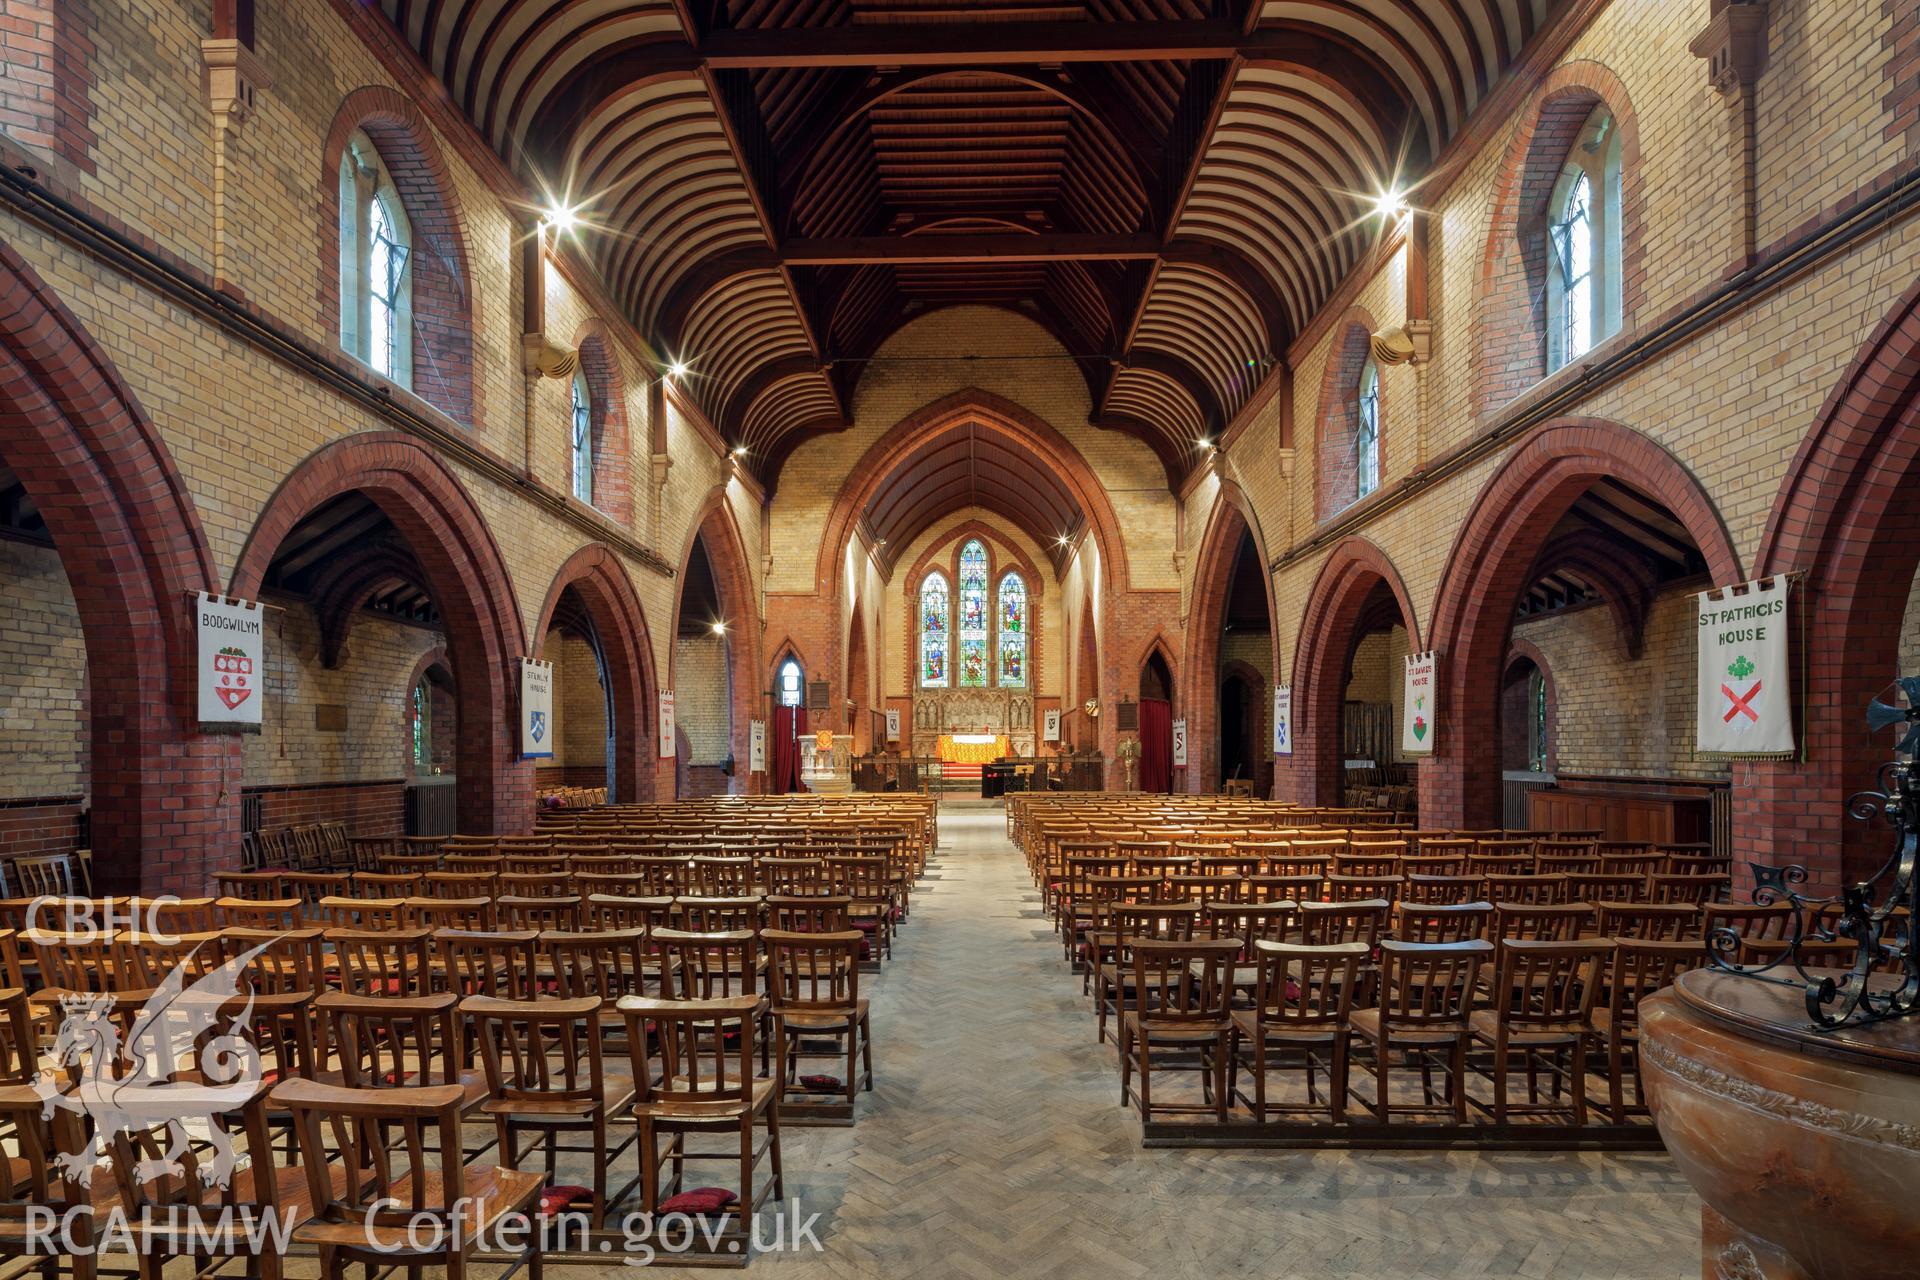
pixel 1744 703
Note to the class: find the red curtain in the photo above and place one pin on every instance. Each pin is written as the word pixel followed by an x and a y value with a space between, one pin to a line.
pixel 789 726
pixel 1156 745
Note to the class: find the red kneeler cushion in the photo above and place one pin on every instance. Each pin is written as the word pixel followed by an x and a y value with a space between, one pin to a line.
pixel 560 1198
pixel 700 1200
pixel 822 1084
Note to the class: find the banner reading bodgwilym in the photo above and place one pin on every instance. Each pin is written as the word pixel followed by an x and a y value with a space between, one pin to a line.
pixel 1744 703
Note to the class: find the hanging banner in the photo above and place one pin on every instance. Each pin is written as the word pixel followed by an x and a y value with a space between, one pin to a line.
pixel 1283 720
pixel 1179 742
pixel 1743 703
pixel 536 709
pixel 232 662
pixel 757 746
pixel 666 723
pixel 893 724
pixel 1420 710
pixel 1050 726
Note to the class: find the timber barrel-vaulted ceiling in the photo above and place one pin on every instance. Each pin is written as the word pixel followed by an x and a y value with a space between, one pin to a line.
pixel 772 187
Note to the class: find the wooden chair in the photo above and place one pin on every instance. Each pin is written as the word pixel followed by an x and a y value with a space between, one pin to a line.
pixel 376 963
pixel 1111 951
pixel 558 913
pixel 1441 890
pixel 1648 921
pixel 389 1184
pixel 1276 888
pixel 1303 1003
pixel 33 1191
pixel 45 875
pixel 1181 1000
pixel 707 1085
pixel 1640 967
pixel 219 1196
pixel 1529 890
pixel 459 884
pixel 1596 887
pixel 1426 991
pixel 808 913
pixel 718 915
pixel 546 1078
pixel 365 914
pixel 256 885
pixel 813 985
pixel 500 964
pixel 1431 923
pixel 1741 923
pixel 1363 888
pixel 710 966
pixel 1543 996
pixel 1687 887
pixel 451 913
pixel 607 965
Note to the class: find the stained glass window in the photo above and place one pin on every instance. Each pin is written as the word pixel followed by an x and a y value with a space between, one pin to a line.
pixel 934 623
pixel 1366 444
pixel 582 438
pixel 973 615
pixel 422 724
pixel 1013 632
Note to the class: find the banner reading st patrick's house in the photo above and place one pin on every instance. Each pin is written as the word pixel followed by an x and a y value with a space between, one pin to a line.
pixel 1743 703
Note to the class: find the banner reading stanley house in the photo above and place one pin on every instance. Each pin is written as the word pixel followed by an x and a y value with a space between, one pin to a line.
pixel 1745 707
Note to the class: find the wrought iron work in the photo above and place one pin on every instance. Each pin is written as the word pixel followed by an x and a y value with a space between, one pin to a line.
pixel 1878 915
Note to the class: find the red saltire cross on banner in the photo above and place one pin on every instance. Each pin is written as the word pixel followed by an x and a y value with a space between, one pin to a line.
pixel 1740 704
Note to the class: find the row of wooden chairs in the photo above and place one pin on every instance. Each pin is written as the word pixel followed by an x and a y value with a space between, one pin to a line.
pixel 1535 1005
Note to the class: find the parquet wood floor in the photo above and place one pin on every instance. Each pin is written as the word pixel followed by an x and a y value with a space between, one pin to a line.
pixel 995 1146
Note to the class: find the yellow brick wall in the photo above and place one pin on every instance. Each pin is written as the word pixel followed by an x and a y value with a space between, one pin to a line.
pixel 372 683
pixel 932 358
pixel 43 677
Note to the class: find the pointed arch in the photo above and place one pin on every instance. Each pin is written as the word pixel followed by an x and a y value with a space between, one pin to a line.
pixel 1232 519
pixel 1494 553
pixel 133 549
pixel 714 525
pixel 595 574
pixel 468 579
pixel 1353 575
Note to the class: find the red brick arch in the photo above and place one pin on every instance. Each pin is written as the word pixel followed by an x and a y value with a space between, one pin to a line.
pixel 442 282
pixel 1329 632
pixel 1492 558
pixel 1232 517
pixel 733 583
pixel 597 577
pixel 1336 473
pixel 1845 517
pixel 468 580
pixel 1510 296
pixel 996 414
pixel 133 550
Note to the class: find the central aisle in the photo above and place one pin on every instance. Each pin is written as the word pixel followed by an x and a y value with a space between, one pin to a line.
pixel 994 1144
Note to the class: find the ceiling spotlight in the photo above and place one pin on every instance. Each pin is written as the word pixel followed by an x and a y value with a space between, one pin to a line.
pixel 678 369
pixel 561 218
pixel 1390 203
pixel 739 450
pixel 1205 442
pixel 1063 539
pixel 719 628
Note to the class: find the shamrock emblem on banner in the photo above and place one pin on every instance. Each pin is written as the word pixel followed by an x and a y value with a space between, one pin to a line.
pixel 1740 712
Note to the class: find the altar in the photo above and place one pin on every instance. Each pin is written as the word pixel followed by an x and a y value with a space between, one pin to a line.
pixel 1000 720
pixel 970 748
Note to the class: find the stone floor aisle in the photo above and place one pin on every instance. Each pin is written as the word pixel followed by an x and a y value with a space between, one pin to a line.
pixel 995 1145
